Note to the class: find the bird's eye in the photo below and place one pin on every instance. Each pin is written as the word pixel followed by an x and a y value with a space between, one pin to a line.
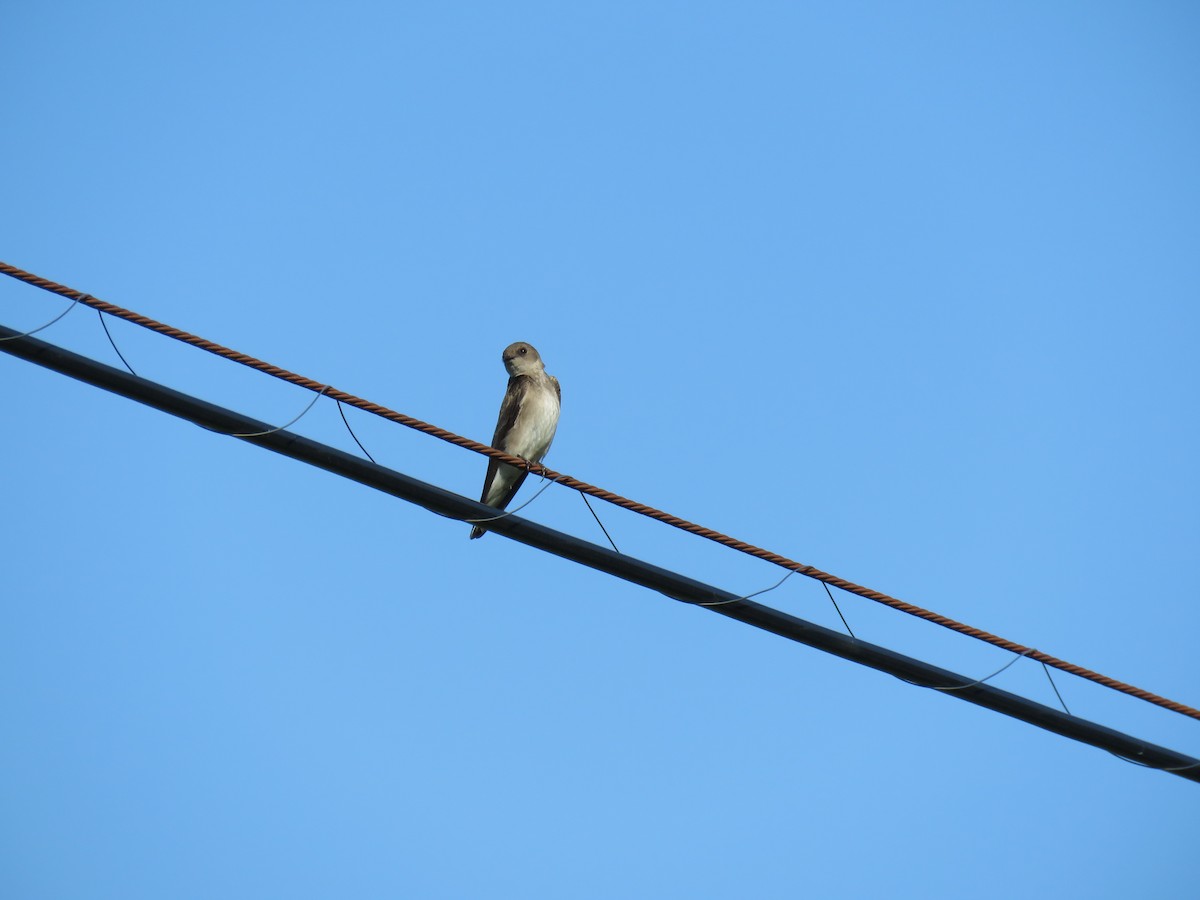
pixel 523 350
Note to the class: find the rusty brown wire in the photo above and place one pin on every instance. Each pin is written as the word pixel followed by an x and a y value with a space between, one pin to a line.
pixel 582 486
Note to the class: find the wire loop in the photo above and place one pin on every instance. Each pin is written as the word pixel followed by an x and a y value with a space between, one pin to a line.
pixel 507 513
pixel 765 590
pixel 250 434
pixel 963 687
pixel 75 301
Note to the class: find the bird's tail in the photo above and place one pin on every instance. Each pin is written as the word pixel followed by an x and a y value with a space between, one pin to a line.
pixel 477 532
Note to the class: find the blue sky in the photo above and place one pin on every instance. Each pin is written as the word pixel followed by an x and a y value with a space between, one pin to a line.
pixel 904 291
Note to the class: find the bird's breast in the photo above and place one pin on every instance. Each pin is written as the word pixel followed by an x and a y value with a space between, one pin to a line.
pixel 534 429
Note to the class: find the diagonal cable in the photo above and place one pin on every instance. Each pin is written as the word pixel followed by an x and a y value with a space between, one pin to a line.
pixel 616 499
pixel 672 584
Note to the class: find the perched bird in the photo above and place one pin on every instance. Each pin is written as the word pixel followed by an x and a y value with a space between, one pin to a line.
pixel 528 418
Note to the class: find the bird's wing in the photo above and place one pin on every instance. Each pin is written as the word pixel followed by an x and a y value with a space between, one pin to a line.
pixel 518 386
pixel 510 407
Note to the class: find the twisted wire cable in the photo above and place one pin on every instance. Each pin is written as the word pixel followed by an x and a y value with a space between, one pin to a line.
pixel 608 496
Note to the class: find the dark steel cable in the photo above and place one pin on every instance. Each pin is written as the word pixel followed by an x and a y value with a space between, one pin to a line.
pixel 849 587
pixel 635 571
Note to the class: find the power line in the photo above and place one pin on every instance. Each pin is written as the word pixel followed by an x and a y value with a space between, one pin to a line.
pixel 672 584
pixel 583 487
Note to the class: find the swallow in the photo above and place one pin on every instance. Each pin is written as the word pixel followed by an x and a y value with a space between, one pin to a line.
pixel 528 419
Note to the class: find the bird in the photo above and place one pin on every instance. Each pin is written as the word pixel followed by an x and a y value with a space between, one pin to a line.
pixel 526 426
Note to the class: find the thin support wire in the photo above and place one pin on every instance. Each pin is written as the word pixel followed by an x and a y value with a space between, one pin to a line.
pixel 849 630
pixel 1151 766
pixel 74 303
pixel 108 334
pixel 748 596
pixel 963 687
pixel 598 522
pixel 771 588
pixel 1161 768
pixel 249 434
pixel 352 434
pixel 1132 762
pixel 1061 701
pixel 504 515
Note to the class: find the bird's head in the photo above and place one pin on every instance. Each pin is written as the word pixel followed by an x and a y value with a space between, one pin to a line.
pixel 521 359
